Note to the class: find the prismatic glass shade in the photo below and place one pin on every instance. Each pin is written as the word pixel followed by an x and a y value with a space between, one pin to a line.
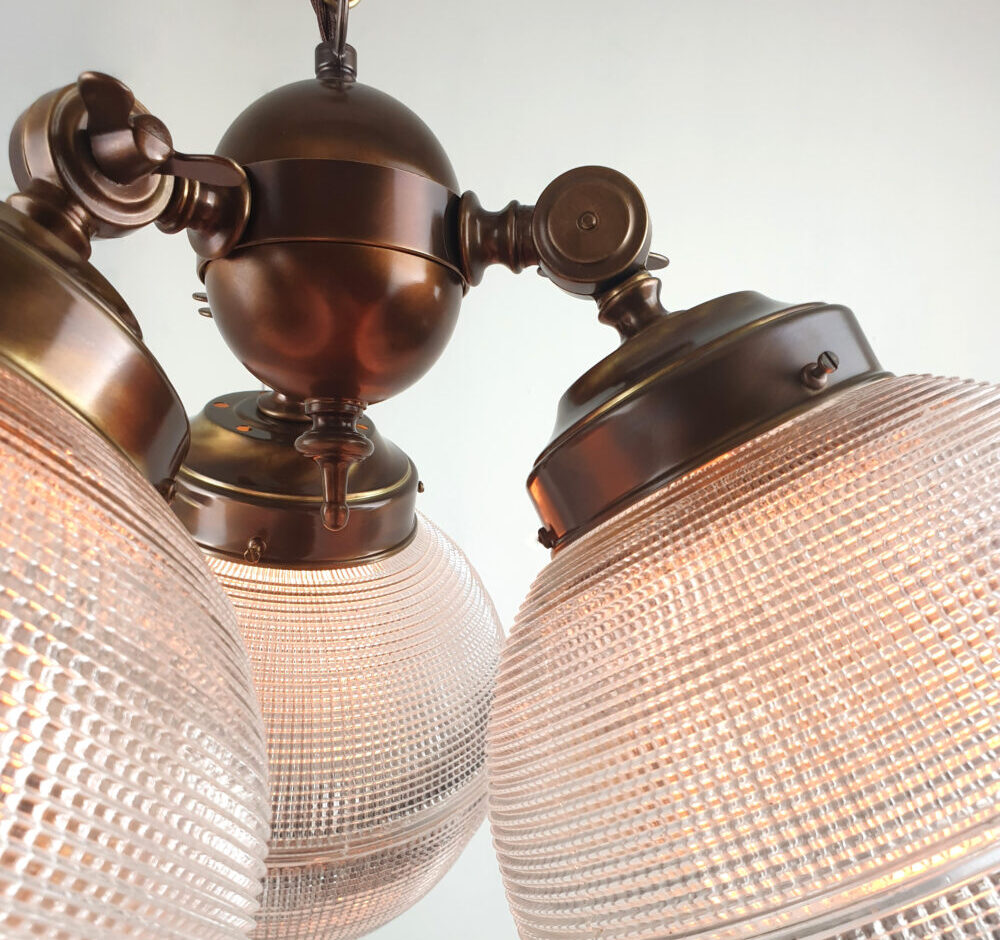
pixel 375 682
pixel 133 787
pixel 765 701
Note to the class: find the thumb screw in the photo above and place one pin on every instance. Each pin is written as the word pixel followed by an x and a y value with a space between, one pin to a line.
pixel 817 374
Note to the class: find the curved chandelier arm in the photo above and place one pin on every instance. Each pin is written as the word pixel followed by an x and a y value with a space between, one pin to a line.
pixel 589 234
pixel 91 162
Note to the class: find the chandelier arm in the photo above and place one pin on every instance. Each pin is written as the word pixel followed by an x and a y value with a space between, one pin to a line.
pixel 589 234
pixel 91 162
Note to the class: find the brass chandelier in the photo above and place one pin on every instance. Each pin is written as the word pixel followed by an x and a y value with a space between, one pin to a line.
pixel 247 690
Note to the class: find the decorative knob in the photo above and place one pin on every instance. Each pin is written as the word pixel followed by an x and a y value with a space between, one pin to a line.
pixel 128 144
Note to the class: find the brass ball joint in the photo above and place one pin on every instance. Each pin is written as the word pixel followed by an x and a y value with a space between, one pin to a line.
pixel 335 249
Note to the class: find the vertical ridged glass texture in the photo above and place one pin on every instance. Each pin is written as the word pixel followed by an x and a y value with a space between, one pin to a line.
pixel 766 699
pixel 133 788
pixel 375 682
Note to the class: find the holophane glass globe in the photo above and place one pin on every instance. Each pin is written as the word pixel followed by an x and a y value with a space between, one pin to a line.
pixel 133 787
pixel 765 701
pixel 375 682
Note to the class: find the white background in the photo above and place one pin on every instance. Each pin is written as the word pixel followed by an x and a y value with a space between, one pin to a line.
pixel 811 150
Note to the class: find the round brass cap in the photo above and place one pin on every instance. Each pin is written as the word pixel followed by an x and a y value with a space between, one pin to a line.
pixel 245 492
pixel 685 389
pixel 66 328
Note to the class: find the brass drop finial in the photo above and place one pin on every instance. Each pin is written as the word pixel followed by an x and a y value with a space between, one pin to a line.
pixel 336 444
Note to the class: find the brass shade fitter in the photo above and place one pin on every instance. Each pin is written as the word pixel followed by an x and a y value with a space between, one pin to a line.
pixel 739 485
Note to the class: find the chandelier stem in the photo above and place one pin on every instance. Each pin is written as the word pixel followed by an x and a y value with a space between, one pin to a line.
pixel 328 15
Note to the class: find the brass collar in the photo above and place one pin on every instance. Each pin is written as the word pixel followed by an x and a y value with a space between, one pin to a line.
pixel 685 389
pixel 244 491
pixel 64 327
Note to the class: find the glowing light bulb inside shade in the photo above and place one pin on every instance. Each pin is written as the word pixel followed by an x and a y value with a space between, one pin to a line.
pixel 375 682
pixel 133 776
pixel 765 701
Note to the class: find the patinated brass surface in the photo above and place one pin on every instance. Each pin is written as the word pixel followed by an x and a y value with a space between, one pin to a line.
pixel 318 120
pixel 91 162
pixel 65 327
pixel 336 200
pixel 486 238
pixel 346 284
pixel 61 183
pixel 588 233
pixel 335 266
pixel 591 230
pixel 244 480
pixel 337 445
pixel 214 216
pixel 684 389
pixel 323 320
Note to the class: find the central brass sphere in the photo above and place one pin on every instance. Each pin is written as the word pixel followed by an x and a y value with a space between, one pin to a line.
pixel 336 290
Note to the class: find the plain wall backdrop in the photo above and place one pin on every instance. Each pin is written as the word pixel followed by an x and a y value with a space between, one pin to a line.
pixel 810 150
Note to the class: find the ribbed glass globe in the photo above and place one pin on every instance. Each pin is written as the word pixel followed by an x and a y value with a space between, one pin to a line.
pixel 375 682
pixel 133 788
pixel 765 701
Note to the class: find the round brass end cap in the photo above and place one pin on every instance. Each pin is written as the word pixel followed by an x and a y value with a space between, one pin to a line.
pixel 685 389
pixel 244 491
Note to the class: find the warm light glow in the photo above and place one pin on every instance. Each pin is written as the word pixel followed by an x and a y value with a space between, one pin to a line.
pixel 133 792
pixel 767 698
pixel 375 683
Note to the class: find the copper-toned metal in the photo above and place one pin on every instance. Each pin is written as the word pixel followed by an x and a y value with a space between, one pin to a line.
pixel 243 481
pixel 59 213
pixel 282 408
pixel 817 374
pixel 591 230
pixel 214 216
pixel 632 306
pixel 65 327
pixel 347 282
pixel 347 202
pixel 124 146
pixel 335 63
pixel 127 143
pixel 325 320
pixel 589 233
pixel 57 173
pixel 320 120
pixel 92 162
pixel 335 59
pixel 486 238
pixel 337 446
pixel 255 551
pixel 683 390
